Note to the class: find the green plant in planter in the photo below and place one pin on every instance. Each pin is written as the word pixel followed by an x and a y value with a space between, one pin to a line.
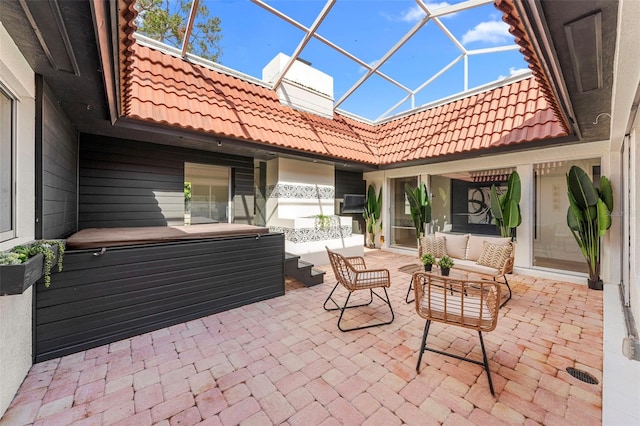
pixel 589 217
pixel 323 222
pixel 427 260
pixel 445 262
pixel 372 212
pixel 505 208
pixel 24 252
pixel 420 206
pixel 10 258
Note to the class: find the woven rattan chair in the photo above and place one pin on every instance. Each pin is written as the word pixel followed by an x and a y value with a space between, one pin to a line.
pixel 458 302
pixel 352 274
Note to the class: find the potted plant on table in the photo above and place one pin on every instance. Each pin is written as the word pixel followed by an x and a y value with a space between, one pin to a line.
pixel 428 260
pixel 445 263
pixel 589 218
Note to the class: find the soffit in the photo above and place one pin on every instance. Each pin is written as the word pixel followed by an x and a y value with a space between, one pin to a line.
pixel 550 57
pixel 587 105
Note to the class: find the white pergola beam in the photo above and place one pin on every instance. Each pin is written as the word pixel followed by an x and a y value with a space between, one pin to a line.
pixel 384 59
pixel 190 22
pixel 493 50
pixel 454 8
pixel 323 14
pixel 329 43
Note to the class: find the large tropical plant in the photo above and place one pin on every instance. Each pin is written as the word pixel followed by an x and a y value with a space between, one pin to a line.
pixel 371 213
pixel 505 207
pixel 589 217
pixel 420 206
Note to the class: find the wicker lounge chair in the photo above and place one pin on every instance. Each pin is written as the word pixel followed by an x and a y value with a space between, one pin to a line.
pixel 465 303
pixel 352 274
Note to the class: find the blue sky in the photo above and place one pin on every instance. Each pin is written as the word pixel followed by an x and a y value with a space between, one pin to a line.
pixel 252 36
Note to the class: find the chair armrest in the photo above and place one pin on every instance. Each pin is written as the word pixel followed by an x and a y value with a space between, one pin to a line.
pixel 507 268
pixel 372 278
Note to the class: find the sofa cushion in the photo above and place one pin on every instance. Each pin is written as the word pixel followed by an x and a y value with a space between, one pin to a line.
pixel 434 245
pixel 494 255
pixel 455 244
pixel 472 266
pixel 475 245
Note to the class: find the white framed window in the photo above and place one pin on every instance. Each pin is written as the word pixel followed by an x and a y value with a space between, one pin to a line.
pixel 7 202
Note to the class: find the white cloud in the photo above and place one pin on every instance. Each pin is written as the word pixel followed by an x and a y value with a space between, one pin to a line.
pixel 412 15
pixel 513 71
pixel 437 5
pixel 494 32
pixel 416 13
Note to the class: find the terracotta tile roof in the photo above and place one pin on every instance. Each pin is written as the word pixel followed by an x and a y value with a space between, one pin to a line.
pixel 160 88
pixel 167 90
pixel 507 115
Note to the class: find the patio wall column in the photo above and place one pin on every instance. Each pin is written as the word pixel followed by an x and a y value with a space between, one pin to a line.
pixel 524 255
pixel 15 311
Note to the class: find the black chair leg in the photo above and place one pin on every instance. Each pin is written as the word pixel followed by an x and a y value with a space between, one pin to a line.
pixel 338 307
pixel 423 345
pixel 345 307
pixel 486 363
pixel 506 282
pixel 406 299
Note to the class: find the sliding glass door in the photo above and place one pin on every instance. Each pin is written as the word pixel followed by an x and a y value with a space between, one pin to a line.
pixel 403 233
pixel 209 201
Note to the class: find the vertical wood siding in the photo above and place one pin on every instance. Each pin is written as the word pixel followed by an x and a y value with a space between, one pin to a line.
pixel 128 183
pixel 128 291
pixel 59 170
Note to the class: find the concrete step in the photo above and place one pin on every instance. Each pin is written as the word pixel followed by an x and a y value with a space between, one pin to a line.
pixel 302 271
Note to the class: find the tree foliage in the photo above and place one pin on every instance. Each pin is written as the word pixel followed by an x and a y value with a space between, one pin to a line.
pixel 166 21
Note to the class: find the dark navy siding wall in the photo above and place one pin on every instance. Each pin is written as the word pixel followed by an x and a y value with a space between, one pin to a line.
pixel 129 183
pixel 349 183
pixel 59 169
pixel 128 291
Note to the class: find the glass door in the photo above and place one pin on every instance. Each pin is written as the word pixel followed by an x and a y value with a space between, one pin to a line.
pixel 209 201
pixel 403 233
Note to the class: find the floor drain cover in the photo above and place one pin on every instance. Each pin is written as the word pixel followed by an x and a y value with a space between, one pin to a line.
pixel 582 376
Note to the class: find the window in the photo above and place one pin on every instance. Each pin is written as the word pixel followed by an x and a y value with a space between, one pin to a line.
pixel 554 246
pixel 403 232
pixel 461 202
pixel 209 200
pixel 6 167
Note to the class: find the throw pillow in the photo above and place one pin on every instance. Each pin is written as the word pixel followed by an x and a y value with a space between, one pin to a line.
pixel 433 245
pixel 476 244
pixel 494 255
pixel 455 244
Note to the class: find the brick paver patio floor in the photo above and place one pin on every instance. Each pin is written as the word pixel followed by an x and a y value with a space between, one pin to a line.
pixel 283 361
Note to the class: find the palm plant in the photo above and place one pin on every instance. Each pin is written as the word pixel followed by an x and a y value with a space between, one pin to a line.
pixel 505 207
pixel 371 213
pixel 589 217
pixel 420 206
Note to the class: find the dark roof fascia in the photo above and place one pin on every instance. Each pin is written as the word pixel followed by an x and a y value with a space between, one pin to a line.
pixel 149 132
pixel 105 24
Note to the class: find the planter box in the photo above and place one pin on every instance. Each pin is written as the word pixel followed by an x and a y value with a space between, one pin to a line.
pixel 15 279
